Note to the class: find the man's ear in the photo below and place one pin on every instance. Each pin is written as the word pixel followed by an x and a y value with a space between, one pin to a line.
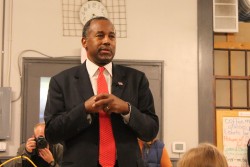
pixel 84 42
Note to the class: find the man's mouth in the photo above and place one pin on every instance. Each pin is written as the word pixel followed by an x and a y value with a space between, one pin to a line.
pixel 105 51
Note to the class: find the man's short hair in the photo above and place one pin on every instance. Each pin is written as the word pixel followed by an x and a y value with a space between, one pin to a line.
pixel 39 124
pixel 87 25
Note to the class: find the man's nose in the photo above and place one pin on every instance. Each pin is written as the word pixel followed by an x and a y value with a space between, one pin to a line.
pixel 106 40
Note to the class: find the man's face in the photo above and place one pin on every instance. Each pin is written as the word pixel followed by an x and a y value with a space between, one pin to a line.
pixel 100 42
pixel 39 131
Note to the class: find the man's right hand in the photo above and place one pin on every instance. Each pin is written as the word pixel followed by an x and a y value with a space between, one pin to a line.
pixel 30 144
pixel 90 108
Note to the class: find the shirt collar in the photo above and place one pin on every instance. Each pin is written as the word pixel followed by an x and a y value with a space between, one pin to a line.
pixel 92 68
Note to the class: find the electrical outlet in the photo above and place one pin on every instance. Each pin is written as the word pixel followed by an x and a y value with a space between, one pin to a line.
pixel 178 147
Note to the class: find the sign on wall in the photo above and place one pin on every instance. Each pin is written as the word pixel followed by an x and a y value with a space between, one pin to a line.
pixel 233 133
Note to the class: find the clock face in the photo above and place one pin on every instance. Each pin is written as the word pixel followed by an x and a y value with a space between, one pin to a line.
pixel 92 9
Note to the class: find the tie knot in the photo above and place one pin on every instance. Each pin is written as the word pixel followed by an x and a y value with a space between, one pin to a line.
pixel 101 69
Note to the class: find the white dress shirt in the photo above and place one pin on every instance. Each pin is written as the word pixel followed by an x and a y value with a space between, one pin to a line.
pixel 93 75
pixel 94 72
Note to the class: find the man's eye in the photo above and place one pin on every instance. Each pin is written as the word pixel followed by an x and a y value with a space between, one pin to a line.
pixel 112 36
pixel 99 35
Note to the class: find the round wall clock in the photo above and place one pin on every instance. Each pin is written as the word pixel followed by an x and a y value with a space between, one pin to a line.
pixel 90 9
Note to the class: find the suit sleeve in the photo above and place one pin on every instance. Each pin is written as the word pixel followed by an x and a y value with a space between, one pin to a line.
pixel 143 119
pixel 62 123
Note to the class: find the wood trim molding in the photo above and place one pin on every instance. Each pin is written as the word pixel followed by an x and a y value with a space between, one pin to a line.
pixel 232 44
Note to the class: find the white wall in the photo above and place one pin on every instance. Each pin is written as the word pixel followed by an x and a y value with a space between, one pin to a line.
pixel 157 30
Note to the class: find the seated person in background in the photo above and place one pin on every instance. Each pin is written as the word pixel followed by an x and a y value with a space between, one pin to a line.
pixel 205 155
pixel 154 153
pixel 41 153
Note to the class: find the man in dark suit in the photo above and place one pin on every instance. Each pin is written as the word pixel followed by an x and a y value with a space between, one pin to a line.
pixel 73 104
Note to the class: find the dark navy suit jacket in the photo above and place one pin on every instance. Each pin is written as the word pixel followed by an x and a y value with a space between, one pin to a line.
pixel 67 120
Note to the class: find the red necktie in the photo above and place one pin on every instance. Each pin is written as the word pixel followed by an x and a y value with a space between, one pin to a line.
pixel 107 142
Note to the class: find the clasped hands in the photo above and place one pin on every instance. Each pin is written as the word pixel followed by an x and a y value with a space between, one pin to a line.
pixel 108 103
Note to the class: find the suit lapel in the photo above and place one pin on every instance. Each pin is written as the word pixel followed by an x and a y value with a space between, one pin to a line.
pixel 83 83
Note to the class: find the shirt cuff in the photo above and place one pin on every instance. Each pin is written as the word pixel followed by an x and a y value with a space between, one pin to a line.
pixel 126 117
